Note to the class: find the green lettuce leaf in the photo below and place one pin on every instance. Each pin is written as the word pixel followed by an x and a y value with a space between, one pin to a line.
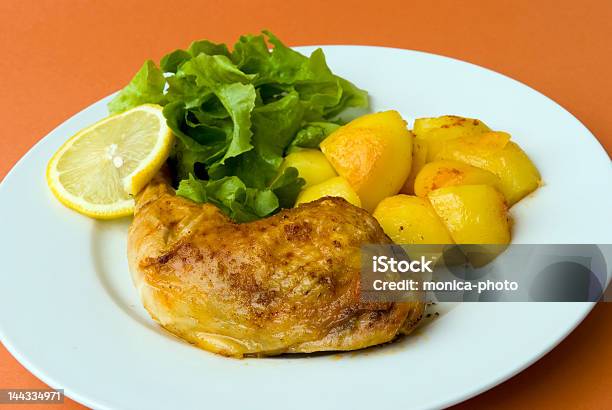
pixel 239 100
pixel 192 188
pixel 237 114
pixel 208 47
pixel 275 126
pixel 312 134
pixel 171 61
pixel 193 145
pixel 352 97
pixel 147 86
pixel 210 71
pixel 232 196
pixel 287 187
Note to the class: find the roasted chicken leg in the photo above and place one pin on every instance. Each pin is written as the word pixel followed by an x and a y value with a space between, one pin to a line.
pixel 285 284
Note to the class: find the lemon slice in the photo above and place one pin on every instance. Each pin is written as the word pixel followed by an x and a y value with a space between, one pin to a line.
pixel 97 171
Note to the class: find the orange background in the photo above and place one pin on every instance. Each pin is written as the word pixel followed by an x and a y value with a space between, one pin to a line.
pixel 59 56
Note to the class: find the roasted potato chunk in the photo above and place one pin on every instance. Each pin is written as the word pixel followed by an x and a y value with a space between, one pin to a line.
pixel 336 186
pixel 411 220
pixel 473 214
pixel 495 152
pixel 311 165
pixel 443 173
pixel 419 158
pixel 373 153
pixel 438 131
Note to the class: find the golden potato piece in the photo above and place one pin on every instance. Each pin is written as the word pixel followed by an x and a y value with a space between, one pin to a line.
pixel 311 165
pixel 411 220
pixel 387 121
pixel 336 186
pixel 473 214
pixel 495 152
pixel 437 131
pixel 419 158
pixel 443 173
pixel 373 153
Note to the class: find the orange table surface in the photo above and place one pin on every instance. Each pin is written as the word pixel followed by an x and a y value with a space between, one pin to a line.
pixel 59 56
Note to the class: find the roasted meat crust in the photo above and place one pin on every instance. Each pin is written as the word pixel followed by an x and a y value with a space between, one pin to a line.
pixel 285 284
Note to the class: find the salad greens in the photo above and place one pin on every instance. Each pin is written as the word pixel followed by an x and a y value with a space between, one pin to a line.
pixel 236 114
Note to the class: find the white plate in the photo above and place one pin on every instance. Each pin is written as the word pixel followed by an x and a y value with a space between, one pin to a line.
pixel 69 312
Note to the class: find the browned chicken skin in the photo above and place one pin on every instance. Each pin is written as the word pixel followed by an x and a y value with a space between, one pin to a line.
pixel 285 284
